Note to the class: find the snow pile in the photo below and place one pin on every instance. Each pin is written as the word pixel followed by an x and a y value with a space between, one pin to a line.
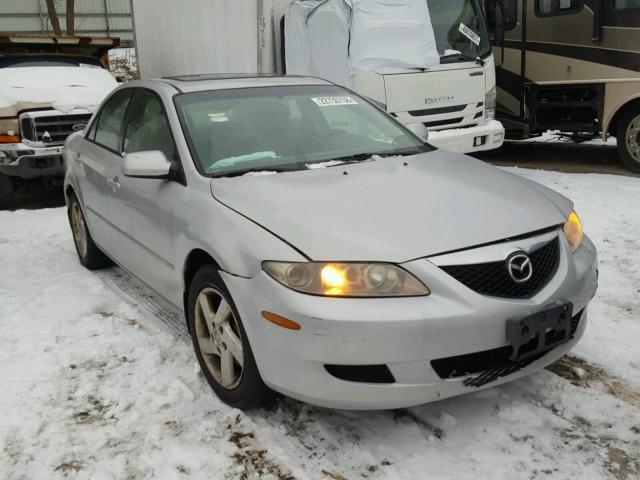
pixel 65 88
pixel 96 384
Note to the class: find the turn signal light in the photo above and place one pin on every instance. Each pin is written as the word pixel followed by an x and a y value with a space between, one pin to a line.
pixel 10 138
pixel 280 321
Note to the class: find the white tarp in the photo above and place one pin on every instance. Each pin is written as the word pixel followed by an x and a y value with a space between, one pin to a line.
pixel 392 34
pixel 317 39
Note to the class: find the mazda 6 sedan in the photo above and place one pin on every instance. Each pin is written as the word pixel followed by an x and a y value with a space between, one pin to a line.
pixel 320 249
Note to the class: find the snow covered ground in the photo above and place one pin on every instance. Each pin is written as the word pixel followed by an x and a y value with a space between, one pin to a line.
pixel 96 382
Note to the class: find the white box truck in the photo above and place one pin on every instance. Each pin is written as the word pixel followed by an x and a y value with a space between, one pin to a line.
pixel 444 79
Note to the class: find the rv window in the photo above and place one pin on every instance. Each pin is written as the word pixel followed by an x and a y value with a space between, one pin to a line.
pixel 551 8
pixel 626 4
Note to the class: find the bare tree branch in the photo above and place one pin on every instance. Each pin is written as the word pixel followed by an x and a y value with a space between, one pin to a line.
pixel 53 17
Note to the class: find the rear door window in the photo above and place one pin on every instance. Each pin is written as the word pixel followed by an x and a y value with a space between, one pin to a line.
pixel 109 126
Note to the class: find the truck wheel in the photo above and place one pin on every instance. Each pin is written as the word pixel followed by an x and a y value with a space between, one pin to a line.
pixel 6 192
pixel 89 254
pixel 628 137
pixel 220 343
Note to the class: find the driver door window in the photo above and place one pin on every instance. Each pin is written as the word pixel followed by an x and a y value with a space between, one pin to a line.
pixel 108 132
pixel 147 127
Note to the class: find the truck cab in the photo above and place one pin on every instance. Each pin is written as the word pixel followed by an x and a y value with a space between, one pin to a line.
pixel 49 88
pixel 456 99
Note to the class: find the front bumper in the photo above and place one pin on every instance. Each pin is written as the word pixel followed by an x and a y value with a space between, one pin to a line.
pixel 25 161
pixel 405 334
pixel 471 139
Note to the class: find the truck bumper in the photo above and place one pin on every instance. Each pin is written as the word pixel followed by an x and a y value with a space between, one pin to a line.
pixel 23 161
pixel 470 139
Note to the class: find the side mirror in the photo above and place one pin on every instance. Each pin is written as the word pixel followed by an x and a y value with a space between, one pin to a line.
pixel 150 164
pixel 419 130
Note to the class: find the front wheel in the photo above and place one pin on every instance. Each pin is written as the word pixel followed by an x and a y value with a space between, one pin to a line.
pixel 220 343
pixel 628 137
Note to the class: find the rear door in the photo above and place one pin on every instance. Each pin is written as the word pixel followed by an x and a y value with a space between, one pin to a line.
pixel 144 210
pixel 99 166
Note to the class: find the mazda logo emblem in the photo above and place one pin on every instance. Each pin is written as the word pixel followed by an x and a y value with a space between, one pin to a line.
pixel 519 267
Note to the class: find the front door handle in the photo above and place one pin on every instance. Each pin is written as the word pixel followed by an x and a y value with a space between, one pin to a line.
pixel 114 183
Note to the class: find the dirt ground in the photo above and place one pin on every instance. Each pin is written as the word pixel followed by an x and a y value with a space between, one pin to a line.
pixel 561 157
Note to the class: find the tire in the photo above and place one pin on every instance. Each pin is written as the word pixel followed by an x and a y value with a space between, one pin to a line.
pixel 6 192
pixel 227 363
pixel 89 254
pixel 628 137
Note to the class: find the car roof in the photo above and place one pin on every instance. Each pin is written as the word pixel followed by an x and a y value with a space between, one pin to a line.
pixel 224 81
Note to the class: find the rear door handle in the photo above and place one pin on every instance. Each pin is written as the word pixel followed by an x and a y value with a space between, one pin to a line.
pixel 114 183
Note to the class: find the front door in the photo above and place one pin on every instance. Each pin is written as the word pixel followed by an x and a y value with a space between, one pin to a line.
pixel 143 210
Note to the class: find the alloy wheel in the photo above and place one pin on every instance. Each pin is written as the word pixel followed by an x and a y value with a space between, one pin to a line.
pixel 79 229
pixel 632 138
pixel 219 338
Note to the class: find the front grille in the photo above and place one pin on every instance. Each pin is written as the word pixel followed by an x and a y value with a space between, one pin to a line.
pixel 440 123
pixel 493 279
pixel 437 111
pixel 54 129
pixel 491 364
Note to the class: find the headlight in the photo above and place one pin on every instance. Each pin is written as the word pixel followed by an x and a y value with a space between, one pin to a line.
pixel 573 231
pixel 490 101
pixel 346 279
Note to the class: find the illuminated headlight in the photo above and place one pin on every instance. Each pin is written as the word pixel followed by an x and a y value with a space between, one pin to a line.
pixel 490 104
pixel 344 279
pixel 573 231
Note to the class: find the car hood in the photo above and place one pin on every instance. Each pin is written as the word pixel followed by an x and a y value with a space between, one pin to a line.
pixel 63 88
pixel 393 209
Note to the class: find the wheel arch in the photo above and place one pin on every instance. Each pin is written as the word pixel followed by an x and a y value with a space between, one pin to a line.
pixel 612 127
pixel 196 259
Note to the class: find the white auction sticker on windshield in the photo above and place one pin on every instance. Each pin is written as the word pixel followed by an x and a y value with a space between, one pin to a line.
pixel 333 101
pixel 470 34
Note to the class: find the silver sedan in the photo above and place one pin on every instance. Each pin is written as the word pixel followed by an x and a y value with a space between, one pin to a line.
pixel 320 249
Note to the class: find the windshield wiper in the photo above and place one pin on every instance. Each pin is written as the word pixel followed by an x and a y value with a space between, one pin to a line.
pixel 241 171
pixel 464 56
pixel 360 157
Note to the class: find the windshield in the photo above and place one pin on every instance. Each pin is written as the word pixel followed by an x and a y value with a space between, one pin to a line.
pixel 288 127
pixel 459 27
pixel 49 61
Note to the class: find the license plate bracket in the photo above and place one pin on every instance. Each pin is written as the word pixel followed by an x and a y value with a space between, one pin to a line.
pixel 540 331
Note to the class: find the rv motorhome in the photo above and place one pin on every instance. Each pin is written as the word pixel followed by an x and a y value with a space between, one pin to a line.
pixel 453 98
pixel 569 65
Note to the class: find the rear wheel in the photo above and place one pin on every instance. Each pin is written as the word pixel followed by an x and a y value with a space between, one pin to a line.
pixel 220 343
pixel 88 252
pixel 6 192
pixel 628 136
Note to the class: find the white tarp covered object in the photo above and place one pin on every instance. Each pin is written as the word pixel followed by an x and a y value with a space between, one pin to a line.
pixel 334 39
pixel 317 39
pixel 392 34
